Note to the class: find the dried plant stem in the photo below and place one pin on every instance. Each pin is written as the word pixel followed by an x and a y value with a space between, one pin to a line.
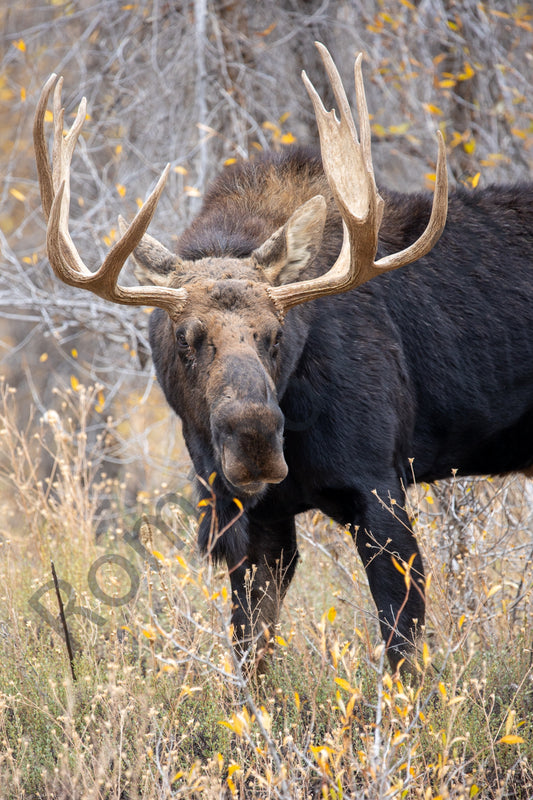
pixel 64 622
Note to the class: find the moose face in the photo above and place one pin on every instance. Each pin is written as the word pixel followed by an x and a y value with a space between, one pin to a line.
pixel 226 362
pixel 224 356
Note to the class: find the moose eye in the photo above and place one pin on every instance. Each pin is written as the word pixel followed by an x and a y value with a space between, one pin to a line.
pixel 181 341
pixel 274 348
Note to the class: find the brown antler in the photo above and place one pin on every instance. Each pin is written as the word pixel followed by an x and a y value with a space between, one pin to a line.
pixel 348 167
pixel 55 197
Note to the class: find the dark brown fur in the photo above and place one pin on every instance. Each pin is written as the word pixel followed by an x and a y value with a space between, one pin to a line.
pixel 432 363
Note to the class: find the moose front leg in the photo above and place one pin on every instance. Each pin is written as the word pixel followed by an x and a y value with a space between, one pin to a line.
pixel 259 585
pixel 395 572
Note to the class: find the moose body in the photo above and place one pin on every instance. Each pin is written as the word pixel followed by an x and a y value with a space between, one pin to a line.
pixel 307 372
pixel 418 373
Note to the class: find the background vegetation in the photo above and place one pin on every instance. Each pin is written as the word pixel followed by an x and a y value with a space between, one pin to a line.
pixel 159 709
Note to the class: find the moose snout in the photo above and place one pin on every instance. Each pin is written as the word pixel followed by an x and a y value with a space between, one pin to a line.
pixel 249 440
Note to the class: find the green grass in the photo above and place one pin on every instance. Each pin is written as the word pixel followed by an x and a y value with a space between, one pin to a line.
pixel 159 708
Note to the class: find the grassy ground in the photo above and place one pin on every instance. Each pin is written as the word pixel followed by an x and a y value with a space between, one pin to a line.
pixel 158 707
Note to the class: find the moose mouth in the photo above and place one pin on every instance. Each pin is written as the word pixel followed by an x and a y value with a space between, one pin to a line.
pixel 247 477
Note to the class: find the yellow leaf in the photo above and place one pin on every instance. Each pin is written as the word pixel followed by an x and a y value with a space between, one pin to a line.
pixel 509 722
pixel 238 504
pixel 351 703
pixel 229 161
pixel 284 117
pixel 297 700
pixel 332 613
pixel 74 382
pixel 432 109
pixel 378 130
pixel 461 622
pixel 266 719
pixel 281 641
pixel 447 83
pixel 180 170
pixel 469 146
pixel 288 138
pixel 74 353
pixel 344 685
pixel 398 566
pixel 120 189
pixel 266 31
pixel 426 657
pixel 211 478
pixel 511 738
pixel 20 45
pixel 400 129
pixel 43 357
pixel 48 116
pixel 455 700
pixel 23 94
pixel 475 180
pixel 17 195
pixel 429 499
pixel 192 191
pixel 467 74
pixel 474 790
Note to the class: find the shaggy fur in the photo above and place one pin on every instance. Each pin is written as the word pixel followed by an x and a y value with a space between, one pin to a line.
pixel 433 363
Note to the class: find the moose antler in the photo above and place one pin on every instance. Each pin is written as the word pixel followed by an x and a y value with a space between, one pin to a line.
pixel 348 167
pixel 55 197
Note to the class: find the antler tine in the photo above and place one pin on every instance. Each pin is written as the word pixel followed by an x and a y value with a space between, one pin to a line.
pixel 55 195
pixel 133 232
pixel 62 153
pixel 436 223
pixel 337 87
pixel 41 150
pixel 347 161
pixel 363 116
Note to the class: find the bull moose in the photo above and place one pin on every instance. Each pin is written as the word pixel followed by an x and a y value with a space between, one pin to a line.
pixel 308 370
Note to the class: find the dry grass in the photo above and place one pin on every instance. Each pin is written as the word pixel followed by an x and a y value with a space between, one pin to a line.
pixel 160 708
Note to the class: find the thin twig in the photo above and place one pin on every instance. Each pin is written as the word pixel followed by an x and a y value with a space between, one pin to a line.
pixel 64 622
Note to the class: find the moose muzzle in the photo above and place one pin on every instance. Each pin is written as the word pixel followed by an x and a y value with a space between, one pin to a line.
pixel 249 440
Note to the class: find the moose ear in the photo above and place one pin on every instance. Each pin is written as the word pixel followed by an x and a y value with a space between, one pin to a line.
pixel 153 263
pixel 285 255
